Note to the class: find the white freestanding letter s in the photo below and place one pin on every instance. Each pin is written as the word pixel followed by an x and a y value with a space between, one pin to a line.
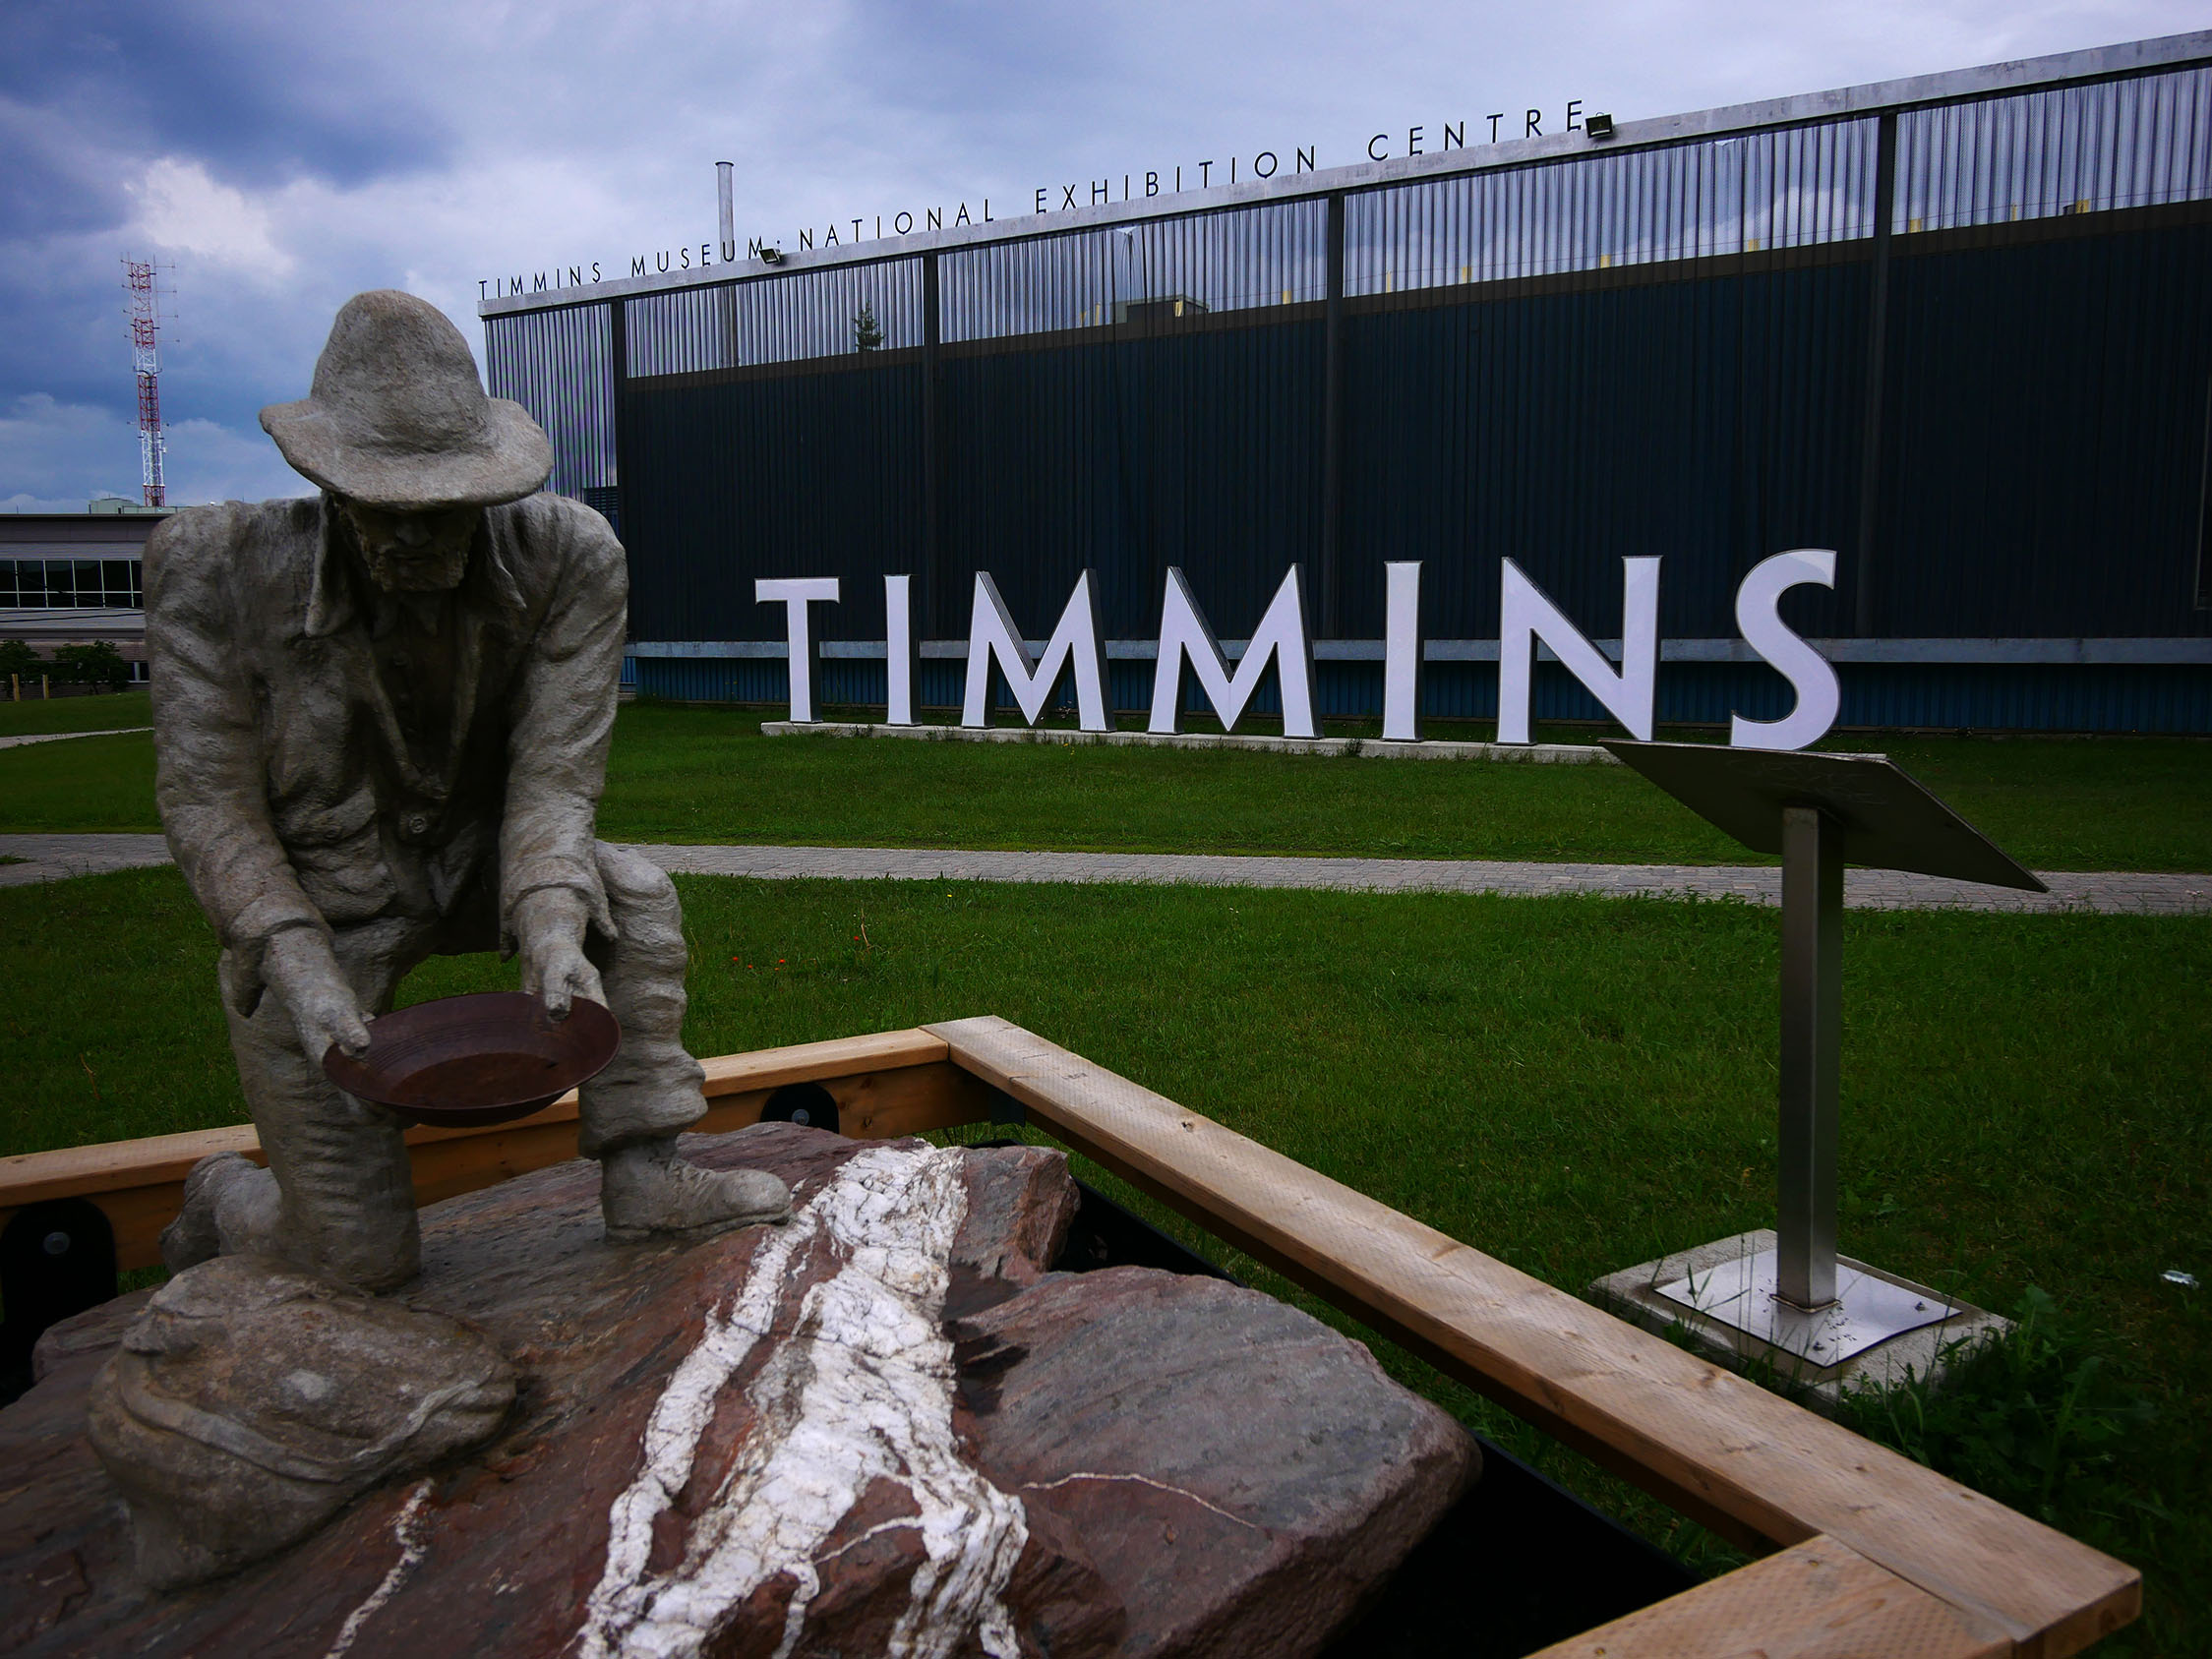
pixel 796 593
pixel 1758 619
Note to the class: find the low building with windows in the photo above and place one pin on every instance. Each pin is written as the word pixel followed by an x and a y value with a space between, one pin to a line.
pixel 77 578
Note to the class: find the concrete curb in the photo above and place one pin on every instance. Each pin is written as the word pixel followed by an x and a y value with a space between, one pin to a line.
pixel 53 857
pixel 63 737
pixel 1366 749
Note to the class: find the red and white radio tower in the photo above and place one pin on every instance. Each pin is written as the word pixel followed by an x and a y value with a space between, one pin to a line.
pixel 138 277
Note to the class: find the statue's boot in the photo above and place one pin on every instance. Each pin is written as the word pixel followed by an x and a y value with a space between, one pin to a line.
pixel 647 1188
pixel 231 1207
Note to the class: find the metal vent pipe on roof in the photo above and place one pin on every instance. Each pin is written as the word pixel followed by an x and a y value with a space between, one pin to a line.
pixel 725 193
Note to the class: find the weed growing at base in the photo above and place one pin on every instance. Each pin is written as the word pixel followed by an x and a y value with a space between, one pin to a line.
pixel 1568 1083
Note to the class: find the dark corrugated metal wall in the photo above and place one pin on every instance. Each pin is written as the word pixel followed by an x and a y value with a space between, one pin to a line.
pixel 2042 469
pixel 1662 352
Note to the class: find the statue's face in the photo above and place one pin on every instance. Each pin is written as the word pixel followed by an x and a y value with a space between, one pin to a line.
pixel 412 551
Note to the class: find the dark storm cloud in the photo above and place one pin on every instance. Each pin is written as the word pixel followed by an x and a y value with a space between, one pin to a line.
pixel 257 92
pixel 283 156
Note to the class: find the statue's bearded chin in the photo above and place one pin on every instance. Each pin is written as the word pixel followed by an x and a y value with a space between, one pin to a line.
pixel 398 569
pixel 413 553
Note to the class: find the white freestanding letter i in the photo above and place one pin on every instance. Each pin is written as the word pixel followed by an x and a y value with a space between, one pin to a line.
pixel 1402 652
pixel 898 650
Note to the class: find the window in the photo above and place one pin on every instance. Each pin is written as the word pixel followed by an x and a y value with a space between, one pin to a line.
pixel 77 584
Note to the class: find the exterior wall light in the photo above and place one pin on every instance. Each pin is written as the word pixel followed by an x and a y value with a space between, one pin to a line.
pixel 1601 128
pixel 771 256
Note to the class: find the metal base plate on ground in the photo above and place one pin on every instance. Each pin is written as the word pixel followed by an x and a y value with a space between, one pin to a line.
pixel 1867 1310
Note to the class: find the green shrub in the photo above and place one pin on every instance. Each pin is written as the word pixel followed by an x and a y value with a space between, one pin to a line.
pixel 20 660
pixel 98 664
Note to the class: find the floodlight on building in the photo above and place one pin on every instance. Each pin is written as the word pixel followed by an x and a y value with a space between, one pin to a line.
pixel 1599 128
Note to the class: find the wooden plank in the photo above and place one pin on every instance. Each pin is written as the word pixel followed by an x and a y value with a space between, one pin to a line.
pixel 1693 1429
pixel 813 1062
pixel 885 1083
pixel 1819 1600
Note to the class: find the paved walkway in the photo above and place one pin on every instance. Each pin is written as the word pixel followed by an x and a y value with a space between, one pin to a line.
pixel 62 736
pixel 52 857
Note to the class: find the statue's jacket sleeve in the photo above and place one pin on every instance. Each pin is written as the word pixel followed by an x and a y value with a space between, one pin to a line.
pixel 210 782
pixel 562 708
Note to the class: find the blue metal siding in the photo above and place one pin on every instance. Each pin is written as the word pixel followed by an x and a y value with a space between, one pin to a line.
pixel 2045 425
pixel 1943 698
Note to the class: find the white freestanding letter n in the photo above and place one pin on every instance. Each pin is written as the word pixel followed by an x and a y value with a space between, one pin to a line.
pixel 1525 614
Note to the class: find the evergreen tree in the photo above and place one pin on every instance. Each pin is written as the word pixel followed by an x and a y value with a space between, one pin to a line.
pixel 866 336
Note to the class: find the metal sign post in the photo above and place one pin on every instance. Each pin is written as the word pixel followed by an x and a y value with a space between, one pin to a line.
pixel 1820 813
pixel 1812 1050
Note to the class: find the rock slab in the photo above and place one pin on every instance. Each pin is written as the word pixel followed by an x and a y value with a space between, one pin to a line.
pixel 885 1427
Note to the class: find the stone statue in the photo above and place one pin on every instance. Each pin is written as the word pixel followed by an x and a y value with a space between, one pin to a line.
pixel 381 721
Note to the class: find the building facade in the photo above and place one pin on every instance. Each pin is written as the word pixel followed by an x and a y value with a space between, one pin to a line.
pixel 1955 329
pixel 75 578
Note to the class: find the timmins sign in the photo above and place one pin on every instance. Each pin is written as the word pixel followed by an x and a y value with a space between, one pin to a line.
pixel 1526 614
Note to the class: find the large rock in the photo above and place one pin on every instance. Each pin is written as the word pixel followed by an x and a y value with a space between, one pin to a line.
pixel 250 1404
pixel 884 1427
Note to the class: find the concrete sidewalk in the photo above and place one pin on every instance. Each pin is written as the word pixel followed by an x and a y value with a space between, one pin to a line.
pixel 64 736
pixel 2112 893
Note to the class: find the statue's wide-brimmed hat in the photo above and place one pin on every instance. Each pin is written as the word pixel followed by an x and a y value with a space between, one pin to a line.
pixel 397 418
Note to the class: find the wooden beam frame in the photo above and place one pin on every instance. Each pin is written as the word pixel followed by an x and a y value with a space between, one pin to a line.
pixel 1874 1554
pixel 891 1083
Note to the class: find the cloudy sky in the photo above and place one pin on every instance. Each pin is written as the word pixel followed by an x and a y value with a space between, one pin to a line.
pixel 275 158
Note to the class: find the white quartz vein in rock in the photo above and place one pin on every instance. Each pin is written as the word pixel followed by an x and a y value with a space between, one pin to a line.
pixel 861 1391
pixel 412 1546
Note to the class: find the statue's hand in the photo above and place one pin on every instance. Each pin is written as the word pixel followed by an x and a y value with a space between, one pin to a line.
pixel 301 969
pixel 549 930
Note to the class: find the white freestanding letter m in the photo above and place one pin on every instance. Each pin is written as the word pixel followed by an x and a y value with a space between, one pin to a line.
pixel 1076 644
pixel 1184 635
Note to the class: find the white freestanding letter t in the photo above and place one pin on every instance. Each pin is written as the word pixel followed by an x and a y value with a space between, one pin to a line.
pixel 1402 653
pixel 795 593
pixel 1758 619
pixel 1185 634
pixel 1077 641
pixel 898 651
pixel 1525 614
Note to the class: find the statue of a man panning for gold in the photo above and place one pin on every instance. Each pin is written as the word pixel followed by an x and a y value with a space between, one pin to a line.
pixel 381 719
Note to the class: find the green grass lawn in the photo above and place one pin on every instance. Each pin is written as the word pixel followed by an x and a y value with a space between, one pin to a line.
pixel 1572 1085
pixel 706 775
pixel 108 712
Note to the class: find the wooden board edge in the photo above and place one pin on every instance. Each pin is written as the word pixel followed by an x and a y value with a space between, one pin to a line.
pixel 1817 1600
pixel 812 1062
pixel 887 1084
pixel 2107 1592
